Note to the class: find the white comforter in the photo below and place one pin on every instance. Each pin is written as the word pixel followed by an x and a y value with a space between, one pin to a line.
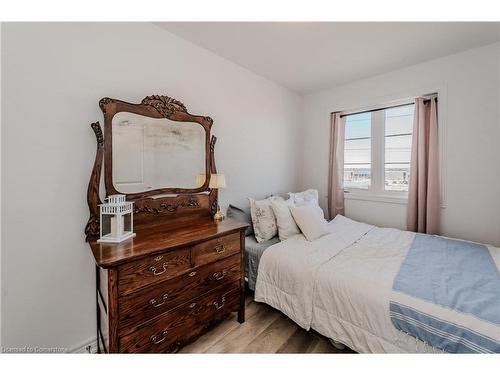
pixel 285 278
pixel 352 294
pixel 340 285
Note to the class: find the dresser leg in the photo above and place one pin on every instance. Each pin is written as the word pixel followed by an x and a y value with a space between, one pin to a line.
pixel 241 316
pixel 241 311
pixel 98 315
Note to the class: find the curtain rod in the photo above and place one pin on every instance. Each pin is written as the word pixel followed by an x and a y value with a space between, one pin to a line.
pixel 382 108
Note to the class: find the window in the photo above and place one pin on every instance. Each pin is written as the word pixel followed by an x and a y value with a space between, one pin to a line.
pixel 357 151
pixel 398 127
pixel 377 151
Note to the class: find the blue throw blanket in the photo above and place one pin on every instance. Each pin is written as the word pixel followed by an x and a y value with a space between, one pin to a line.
pixel 447 294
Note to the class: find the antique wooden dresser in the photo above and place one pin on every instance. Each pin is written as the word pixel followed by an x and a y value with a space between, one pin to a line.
pixel 182 272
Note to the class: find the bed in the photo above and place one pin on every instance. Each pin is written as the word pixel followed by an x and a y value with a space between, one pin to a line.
pixel 253 253
pixel 343 286
pixel 253 249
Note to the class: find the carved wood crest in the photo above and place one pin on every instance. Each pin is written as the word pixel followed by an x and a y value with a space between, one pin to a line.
pixel 165 105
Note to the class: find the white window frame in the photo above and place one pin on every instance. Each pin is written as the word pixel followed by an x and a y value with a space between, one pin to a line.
pixel 376 191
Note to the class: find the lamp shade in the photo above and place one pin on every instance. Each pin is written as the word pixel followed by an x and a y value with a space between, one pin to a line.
pixel 217 181
pixel 200 179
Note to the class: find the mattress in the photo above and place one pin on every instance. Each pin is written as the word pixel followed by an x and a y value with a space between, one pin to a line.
pixel 253 253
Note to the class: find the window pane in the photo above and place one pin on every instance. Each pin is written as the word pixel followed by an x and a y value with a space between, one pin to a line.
pixel 357 176
pixel 357 151
pixel 399 120
pixel 358 126
pixel 406 110
pixel 398 124
pixel 397 177
pixel 398 149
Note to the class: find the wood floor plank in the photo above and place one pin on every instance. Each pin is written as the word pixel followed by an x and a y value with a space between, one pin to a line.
pixel 300 342
pixel 273 337
pixel 324 346
pixel 265 330
pixel 203 343
pixel 220 331
pixel 236 340
pixel 315 339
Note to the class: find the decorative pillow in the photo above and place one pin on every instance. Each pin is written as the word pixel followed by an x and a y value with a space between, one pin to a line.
pixel 304 197
pixel 318 207
pixel 284 219
pixel 241 214
pixel 310 221
pixel 264 221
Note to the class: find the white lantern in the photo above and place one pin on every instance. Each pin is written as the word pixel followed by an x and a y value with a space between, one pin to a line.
pixel 117 222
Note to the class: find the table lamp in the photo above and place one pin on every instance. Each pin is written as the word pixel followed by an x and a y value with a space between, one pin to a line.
pixel 217 181
pixel 200 179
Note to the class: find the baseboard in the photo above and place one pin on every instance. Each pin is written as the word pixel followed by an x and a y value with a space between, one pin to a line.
pixel 88 347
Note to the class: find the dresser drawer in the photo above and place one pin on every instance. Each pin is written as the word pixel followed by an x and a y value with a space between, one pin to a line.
pixel 215 249
pixel 134 275
pixel 148 303
pixel 171 328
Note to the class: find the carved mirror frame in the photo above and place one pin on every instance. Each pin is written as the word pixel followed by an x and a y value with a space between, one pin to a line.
pixel 181 201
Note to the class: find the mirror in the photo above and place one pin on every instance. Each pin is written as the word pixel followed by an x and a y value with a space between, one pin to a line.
pixel 155 153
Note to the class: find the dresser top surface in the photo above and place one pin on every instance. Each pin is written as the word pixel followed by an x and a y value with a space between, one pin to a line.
pixel 154 239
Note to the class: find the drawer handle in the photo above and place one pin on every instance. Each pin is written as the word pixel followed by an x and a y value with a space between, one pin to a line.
pixel 220 248
pixel 155 303
pixel 218 305
pixel 153 269
pixel 220 275
pixel 157 339
pixel 192 273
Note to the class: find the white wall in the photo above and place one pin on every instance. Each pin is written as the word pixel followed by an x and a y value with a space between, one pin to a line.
pixel 1 290
pixel 468 84
pixel 53 77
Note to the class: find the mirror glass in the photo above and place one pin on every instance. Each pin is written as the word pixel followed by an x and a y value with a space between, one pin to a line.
pixel 150 153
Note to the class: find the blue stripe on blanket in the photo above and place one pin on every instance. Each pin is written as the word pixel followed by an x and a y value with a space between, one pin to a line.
pixel 440 333
pixel 458 275
pixel 455 274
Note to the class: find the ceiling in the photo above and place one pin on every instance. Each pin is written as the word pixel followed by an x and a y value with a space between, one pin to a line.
pixel 308 56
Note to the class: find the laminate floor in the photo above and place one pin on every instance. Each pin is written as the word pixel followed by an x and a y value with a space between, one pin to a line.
pixel 265 330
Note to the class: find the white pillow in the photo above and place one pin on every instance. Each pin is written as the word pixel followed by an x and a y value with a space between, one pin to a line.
pixel 309 196
pixel 263 219
pixel 310 221
pixel 284 219
pixel 304 197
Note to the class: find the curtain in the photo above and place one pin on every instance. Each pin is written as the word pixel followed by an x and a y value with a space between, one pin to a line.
pixel 336 167
pixel 423 195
